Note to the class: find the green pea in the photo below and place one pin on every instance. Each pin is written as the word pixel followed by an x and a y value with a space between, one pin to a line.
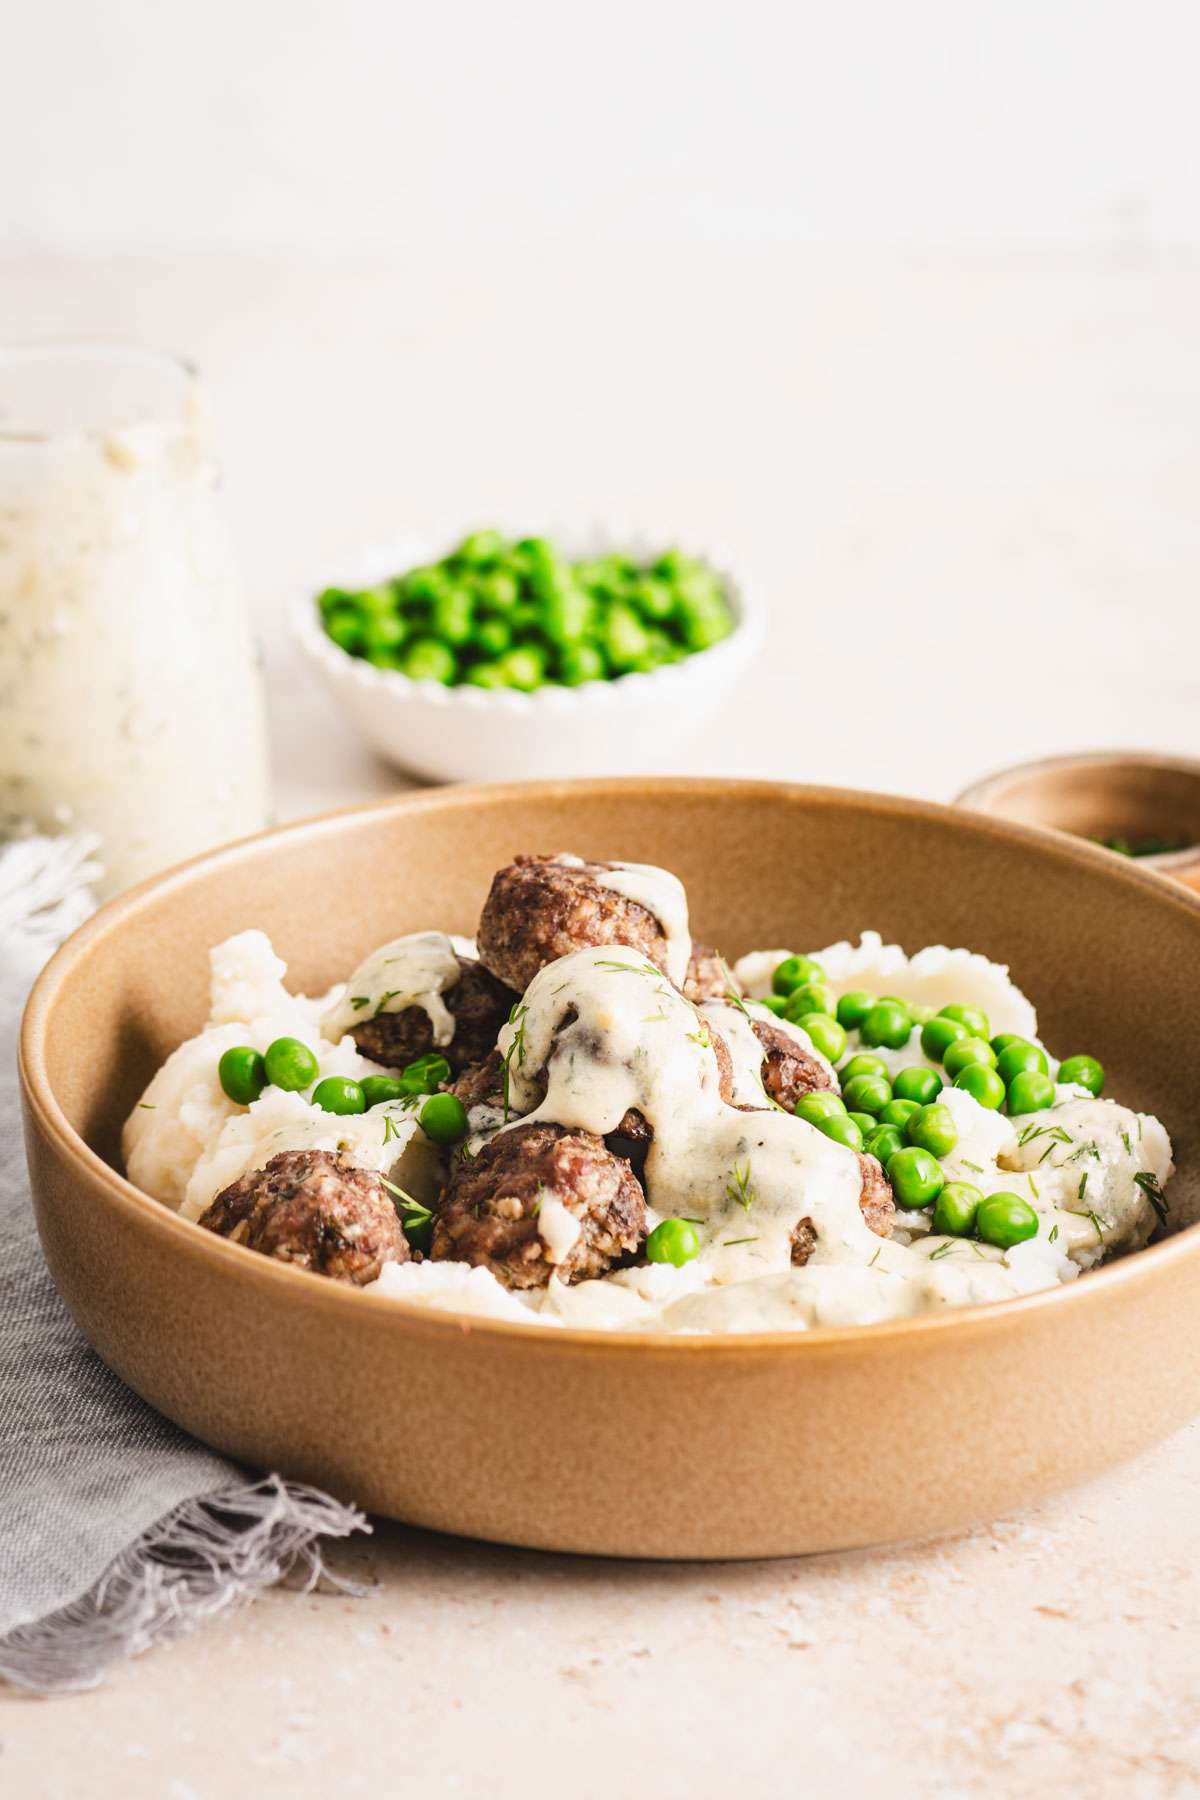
pixel 826 1034
pixel 624 637
pixel 444 1118
pixel 815 1107
pixel 794 972
pixel 932 1128
pixel 338 1094
pixel 842 1129
pixel 975 1021
pixel 345 628
pixel 919 1084
pixel 242 1074
pixel 883 1143
pixel 916 1177
pixel 954 1212
pixel 655 597
pixel 983 1084
pixel 1005 1219
pixel 866 1124
pixel 968 1050
pixel 425 1074
pixel 673 1241
pixel 867 1093
pixel 453 615
pixel 1030 1091
pixel 582 662
pixel 1083 1071
pixel 524 667
pixel 493 637
pixel 853 1008
pixel 921 1015
pixel 497 589
pixel 774 1003
pixel 379 1089
pixel 899 1112
pixel 487 675
pixel 862 1064
pixel 813 997
pixel 1004 1038
pixel 481 547
pixel 889 1023
pixel 1019 1056
pixel 938 1035
pixel 428 659
pixel 290 1064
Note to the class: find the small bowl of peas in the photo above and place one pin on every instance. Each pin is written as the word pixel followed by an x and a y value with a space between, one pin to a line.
pixel 512 658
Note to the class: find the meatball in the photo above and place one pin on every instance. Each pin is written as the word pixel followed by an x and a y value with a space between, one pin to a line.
pixel 480 1005
pixel 488 1213
pixel 540 908
pixel 875 1200
pixel 313 1208
pixel 483 1083
pixel 709 976
pixel 788 1070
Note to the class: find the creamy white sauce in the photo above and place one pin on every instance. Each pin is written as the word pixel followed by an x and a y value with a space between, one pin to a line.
pixel 410 971
pixel 663 896
pixel 130 701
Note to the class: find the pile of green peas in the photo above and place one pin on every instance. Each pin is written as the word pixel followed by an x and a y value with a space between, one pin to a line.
pixel 502 614
pixel 289 1064
pixel 898 1119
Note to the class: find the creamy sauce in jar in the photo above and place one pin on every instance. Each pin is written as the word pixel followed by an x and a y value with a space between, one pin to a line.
pixel 410 971
pixel 130 703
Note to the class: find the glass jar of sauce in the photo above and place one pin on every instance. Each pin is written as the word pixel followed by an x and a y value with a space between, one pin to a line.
pixel 130 698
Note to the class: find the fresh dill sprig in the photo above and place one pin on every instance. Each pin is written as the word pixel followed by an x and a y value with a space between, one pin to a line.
pixel 1028 1132
pixel 1149 1184
pixel 942 1250
pixel 1097 1223
pixel 359 1001
pixel 1088 1148
pixel 730 1242
pixel 517 1018
pixel 739 1189
pixel 731 994
pixel 390 995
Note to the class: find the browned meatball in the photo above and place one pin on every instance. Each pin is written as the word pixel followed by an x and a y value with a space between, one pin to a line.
pixel 488 1213
pixel 313 1208
pixel 875 1200
pixel 788 1069
pixel 540 908
pixel 480 1005
pixel 709 976
pixel 483 1083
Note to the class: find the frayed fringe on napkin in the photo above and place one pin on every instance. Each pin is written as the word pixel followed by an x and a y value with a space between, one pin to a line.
pixel 45 892
pixel 207 1555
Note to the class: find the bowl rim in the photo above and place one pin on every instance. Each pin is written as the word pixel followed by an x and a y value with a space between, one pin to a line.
pixel 1127 1273
pixel 749 626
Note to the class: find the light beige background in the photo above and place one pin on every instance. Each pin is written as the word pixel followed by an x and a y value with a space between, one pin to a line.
pixel 900 311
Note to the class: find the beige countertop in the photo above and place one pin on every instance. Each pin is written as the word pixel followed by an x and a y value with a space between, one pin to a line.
pixel 964 488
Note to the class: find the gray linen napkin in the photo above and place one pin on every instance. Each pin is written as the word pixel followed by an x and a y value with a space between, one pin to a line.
pixel 117 1530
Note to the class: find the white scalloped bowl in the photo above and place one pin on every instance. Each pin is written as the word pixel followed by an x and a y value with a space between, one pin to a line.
pixel 629 725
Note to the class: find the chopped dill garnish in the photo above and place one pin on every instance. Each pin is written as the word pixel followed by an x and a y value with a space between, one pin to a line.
pixel 700 1037
pixel 1088 1148
pixel 1149 1185
pixel 390 995
pixel 1127 1144
pixel 1053 1238
pixel 1097 1223
pixel 389 1128
pixel 147 1106
pixel 875 1258
pixel 1056 1132
pixel 739 1189
pixel 689 1221
pixel 1082 1186
pixel 976 1167
pixel 1033 1186
pixel 942 1250
pixel 730 1242
pixel 359 1001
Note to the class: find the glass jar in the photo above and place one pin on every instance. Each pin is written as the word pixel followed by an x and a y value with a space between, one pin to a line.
pixel 130 699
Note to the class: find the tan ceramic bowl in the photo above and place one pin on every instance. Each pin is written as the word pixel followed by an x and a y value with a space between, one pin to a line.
pixel 762 1445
